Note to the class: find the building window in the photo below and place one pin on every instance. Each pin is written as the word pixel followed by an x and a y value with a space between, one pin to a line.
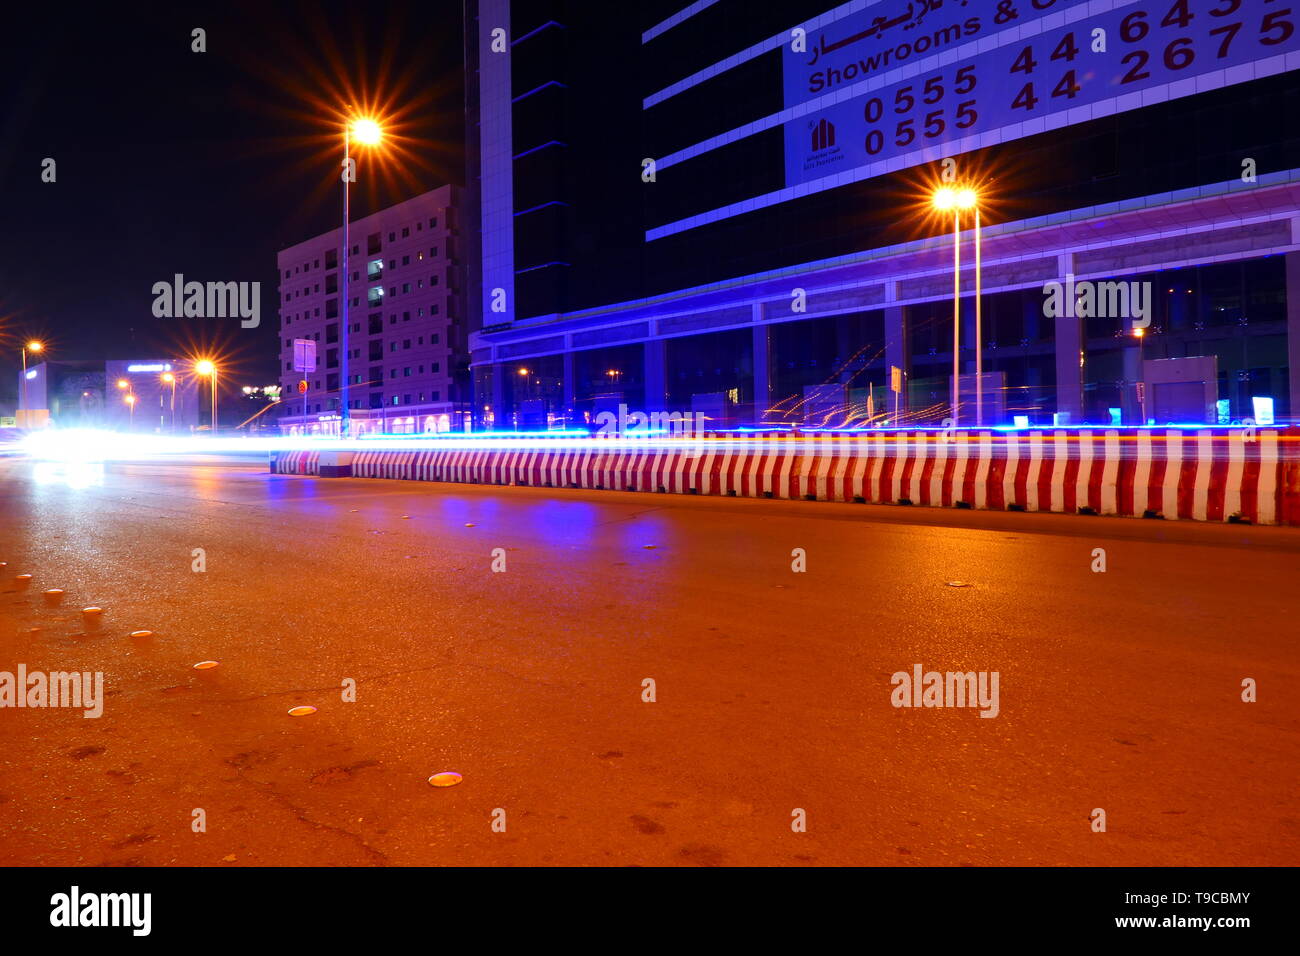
pixel 406 231
pixel 433 223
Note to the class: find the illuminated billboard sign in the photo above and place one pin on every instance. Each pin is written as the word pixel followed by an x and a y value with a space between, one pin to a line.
pixel 902 82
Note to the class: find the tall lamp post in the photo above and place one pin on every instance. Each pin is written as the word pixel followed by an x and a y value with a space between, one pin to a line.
pixel 947 199
pixel 128 399
pixel 1140 333
pixel 170 379
pixel 368 133
pixel 35 348
pixel 208 367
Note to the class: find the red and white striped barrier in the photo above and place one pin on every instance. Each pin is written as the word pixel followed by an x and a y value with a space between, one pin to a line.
pixel 1201 475
pixel 296 463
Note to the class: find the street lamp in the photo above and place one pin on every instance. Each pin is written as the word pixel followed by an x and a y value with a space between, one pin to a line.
pixel 367 132
pixel 35 347
pixel 947 199
pixel 968 199
pixel 1140 333
pixel 169 379
pixel 129 398
pixel 208 367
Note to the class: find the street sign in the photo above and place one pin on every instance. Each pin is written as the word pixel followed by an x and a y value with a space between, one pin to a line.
pixel 304 355
pixel 302 387
pixel 895 378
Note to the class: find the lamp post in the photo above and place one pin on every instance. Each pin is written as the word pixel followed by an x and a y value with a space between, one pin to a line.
pixel 170 379
pixel 944 200
pixel 368 133
pixel 208 367
pixel 967 199
pixel 123 385
pixel 1140 333
pixel 35 347
pixel 955 200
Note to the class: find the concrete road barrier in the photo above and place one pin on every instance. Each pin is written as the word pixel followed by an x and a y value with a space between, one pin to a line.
pixel 1245 475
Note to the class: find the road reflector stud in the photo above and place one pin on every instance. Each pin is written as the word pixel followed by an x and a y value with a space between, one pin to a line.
pixel 22 581
pixel 141 634
pixel 205 665
pixel 54 596
pixel 447 778
pixel 303 710
pixel 959 584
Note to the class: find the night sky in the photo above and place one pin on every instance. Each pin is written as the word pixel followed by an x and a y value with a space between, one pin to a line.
pixel 204 164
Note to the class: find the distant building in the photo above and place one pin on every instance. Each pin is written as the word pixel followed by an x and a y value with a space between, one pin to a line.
pixel 409 360
pixel 168 397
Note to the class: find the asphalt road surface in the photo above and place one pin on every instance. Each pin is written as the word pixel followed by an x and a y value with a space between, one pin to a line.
pixel 1118 690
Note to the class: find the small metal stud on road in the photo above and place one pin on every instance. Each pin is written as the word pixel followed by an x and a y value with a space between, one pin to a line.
pixel 303 710
pixel 447 778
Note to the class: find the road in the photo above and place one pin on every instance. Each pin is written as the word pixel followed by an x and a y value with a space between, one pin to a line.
pixel 1118 690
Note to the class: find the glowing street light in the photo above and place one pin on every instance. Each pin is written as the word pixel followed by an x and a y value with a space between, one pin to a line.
pixel 1140 332
pixel 367 132
pixel 948 199
pixel 207 367
pixel 35 347
pixel 130 403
